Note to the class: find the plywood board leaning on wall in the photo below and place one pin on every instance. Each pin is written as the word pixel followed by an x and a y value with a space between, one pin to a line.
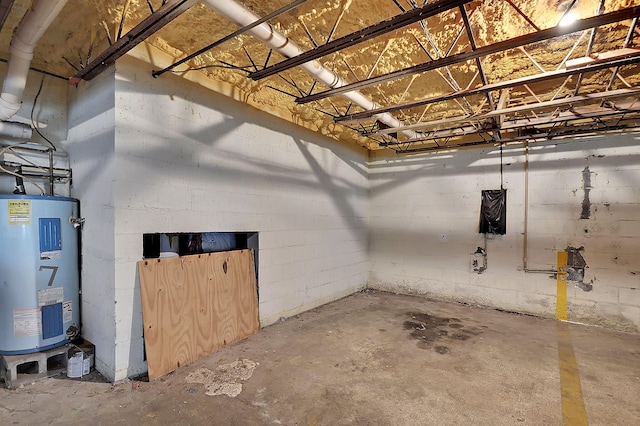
pixel 195 305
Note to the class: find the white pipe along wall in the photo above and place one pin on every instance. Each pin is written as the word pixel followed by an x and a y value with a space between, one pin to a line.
pixel 27 34
pixel 268 35
pixel 14 130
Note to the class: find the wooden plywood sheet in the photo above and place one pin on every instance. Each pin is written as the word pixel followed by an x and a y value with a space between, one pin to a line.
pixel 195 305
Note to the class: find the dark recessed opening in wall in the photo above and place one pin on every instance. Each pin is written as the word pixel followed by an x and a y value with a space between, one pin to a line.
pixel 174 244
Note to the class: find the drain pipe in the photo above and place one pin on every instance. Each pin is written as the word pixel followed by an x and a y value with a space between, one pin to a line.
pixel 265 33
pixel 14 130
pixel 25 38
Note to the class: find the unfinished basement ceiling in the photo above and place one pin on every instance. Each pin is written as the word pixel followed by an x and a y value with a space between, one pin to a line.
pixel 442 74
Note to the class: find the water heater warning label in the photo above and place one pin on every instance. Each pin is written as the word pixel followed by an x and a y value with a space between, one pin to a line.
pixel 50 296
pixel 27 322
pixel 19 212
pixel 67 312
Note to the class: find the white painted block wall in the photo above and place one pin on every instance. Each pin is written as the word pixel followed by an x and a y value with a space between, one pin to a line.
pixel 189 160
pixel 424 217
pixel 90 144
pixel 165 155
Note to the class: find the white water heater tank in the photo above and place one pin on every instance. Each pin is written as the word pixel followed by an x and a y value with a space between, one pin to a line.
pixel 39 273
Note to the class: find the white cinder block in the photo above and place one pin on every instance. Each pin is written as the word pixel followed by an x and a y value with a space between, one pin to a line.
pixel 198 162
pixel 539 304
pixel 329 220
pixel 411 206
pixel 600 293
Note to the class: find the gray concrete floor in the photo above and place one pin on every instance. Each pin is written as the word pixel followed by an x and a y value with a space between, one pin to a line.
pixel 370 359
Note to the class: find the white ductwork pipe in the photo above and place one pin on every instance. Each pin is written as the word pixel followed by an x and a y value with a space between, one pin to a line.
pixel 15 130
pixel 25 38
pixel 268 35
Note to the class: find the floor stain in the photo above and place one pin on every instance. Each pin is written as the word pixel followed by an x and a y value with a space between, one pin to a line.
pixel 459 336
pixel 430 329
pixel 226 379
pixel 442 350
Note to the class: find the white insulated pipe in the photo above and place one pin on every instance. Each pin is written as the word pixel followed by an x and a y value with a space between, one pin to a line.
pixel 268 35
pixel 34 23
pixel 15 130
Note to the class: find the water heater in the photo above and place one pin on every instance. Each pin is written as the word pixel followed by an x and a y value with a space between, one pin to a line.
pixel 39 273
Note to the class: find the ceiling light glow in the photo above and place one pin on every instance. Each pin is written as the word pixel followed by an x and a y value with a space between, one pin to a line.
pixel 568 19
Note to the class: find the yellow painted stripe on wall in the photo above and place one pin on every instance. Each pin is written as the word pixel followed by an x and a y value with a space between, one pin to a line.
pixel 573 410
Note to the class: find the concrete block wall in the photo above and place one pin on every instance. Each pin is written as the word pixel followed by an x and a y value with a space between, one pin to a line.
pixel 424 216
pixel 91 148
pixel 164 155
pixel 188 160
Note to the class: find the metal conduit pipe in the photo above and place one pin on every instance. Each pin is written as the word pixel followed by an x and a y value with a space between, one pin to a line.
pixel 265 33
pixel 25 38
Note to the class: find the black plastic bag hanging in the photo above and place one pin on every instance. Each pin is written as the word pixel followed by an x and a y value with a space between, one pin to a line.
pixel 493 212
